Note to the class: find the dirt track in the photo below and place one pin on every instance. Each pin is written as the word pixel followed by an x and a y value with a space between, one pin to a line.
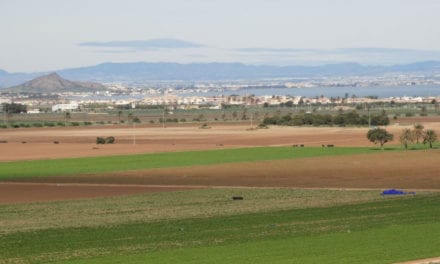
pixel 79 142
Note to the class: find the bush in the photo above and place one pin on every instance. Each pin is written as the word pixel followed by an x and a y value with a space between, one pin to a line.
pixel 109 140
pixel 60 124
pixel 172 120
pixel 49 124
pixel 87 123
pixel 100 140
pixel 74 124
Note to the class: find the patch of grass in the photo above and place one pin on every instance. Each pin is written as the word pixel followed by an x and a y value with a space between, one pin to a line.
pixel 378 245
pixel 60 167
pixel 399 228
pixel 167 205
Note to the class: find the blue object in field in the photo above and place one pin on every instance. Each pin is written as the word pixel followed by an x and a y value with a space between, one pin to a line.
pixel 393 192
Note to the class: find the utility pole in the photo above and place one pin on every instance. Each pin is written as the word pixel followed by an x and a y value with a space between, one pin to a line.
pixel 134 133
pixel 163 117
pixel 367 107
pixel 164 109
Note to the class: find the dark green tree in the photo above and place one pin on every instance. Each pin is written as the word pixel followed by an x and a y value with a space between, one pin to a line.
pixel 379 135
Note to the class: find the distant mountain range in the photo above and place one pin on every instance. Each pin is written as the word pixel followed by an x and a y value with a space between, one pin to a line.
pixel 53 83
pixel 143 71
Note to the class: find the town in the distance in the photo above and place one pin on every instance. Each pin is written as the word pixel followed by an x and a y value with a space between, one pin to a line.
pixel 53 93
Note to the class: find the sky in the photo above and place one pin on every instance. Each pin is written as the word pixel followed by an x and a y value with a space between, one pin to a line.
pixel 47 35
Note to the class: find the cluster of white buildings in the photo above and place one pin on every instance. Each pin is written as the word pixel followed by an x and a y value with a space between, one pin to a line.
pixel 216 102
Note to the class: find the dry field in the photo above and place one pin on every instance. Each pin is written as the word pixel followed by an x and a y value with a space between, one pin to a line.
pixel 409 169
pixel 80 142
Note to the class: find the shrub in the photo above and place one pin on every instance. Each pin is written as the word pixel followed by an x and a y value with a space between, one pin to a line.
pixel 100 140
pixel 74 124
pixel 109 140
pixel 204 126
pixel 87 123
pixel 49 124
pixel 262 126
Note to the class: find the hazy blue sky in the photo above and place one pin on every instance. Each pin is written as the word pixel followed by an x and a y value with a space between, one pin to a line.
pixel 46 34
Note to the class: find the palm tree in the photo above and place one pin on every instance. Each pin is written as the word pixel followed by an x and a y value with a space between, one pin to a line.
pixel 418 132
pixel 406 137
pixel 429 137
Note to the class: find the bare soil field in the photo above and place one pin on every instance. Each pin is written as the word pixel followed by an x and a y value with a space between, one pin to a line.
pixel 406 169
pixel 80 142
pixel 31 192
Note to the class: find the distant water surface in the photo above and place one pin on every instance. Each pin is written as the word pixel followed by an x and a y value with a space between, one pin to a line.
pixel 379 91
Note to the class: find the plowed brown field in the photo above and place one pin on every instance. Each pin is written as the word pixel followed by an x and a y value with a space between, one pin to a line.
pixel 406 169
pixel 79 142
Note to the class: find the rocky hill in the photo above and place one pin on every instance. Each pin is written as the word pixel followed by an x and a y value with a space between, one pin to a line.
pixel 53 83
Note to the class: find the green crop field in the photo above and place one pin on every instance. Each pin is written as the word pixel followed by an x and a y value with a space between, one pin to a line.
pixel 74 166
pixel 310 227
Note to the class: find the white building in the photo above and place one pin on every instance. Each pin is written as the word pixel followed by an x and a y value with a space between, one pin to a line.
pixel 65 107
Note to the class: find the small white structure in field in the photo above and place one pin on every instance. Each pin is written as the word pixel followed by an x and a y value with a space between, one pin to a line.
pixel 64 107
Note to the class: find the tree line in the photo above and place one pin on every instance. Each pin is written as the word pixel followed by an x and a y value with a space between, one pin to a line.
pixel 407 136
pixel 351 118
pixel 14 108
pixel 416 135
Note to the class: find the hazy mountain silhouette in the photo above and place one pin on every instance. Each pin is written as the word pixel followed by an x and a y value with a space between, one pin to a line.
pixel 144 71
pixel 53 83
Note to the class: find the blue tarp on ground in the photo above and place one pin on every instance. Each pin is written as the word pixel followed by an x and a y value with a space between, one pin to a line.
pixel 393 192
